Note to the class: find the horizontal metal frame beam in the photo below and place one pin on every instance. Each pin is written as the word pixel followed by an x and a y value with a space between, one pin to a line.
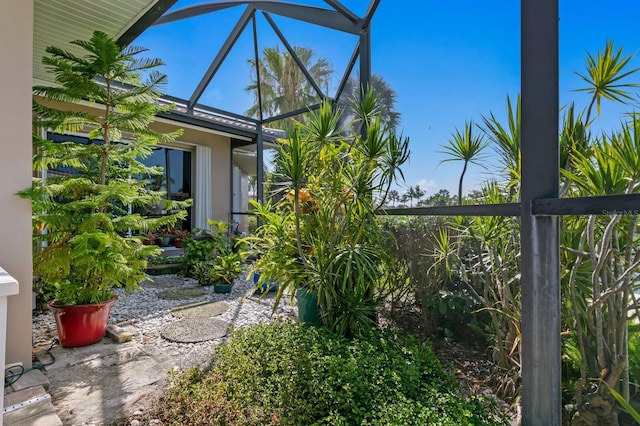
pixel 218 111
pixel 624 204
pixel 602 205
pixel 186 118
pixel 506 209
pixel 313 15
pixel 291 113
pixel 211 110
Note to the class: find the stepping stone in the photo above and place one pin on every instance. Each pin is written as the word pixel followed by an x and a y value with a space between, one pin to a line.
pixel 194 330
pixel 164 282
pixel 182 293
pixel 200 310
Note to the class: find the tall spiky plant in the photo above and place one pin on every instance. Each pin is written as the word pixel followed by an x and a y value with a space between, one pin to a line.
pixel 602 261
pixel 323 235
pixel 506 140
pixel 81 200
pixel 465 146
pixel 604 74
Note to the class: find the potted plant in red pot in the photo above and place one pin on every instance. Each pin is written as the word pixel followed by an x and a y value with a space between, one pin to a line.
pixel 179 237
pixel 149 238
pixel 80 213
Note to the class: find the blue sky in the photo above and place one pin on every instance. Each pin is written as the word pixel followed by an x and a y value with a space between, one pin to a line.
pixel 448 61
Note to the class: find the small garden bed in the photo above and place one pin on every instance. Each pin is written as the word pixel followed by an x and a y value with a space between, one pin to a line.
pixel 285 373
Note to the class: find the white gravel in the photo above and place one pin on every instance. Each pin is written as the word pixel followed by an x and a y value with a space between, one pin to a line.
pixel 144 315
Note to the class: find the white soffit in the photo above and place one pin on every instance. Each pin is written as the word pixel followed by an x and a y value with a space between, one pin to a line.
pixel 57 22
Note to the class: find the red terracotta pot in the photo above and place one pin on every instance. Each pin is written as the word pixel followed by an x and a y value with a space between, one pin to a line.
pixel 81 325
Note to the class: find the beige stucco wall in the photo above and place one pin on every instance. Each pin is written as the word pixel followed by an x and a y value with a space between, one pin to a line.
pixel 16 41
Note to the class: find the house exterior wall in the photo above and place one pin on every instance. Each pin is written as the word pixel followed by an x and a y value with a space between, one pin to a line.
pixel 16 41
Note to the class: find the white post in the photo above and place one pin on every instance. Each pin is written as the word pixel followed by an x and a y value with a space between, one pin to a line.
pixel 8 287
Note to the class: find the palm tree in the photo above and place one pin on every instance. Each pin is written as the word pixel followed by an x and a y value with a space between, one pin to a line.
pixel 394 197
pixel 604 74
pixel 383 92
pixel 417 193
pixel 283 85
pixel 466 147
pixel 404 198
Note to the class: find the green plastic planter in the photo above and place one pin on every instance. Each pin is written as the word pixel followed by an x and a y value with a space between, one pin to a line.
pixel 222 288
pixel 308 311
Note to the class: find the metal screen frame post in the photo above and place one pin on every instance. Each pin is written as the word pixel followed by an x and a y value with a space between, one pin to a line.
pixel 259 164
pixel 540 238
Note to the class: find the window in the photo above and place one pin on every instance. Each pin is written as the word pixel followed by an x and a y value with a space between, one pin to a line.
pixel 175 181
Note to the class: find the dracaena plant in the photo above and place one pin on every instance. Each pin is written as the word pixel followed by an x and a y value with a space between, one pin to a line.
pixel 87 240
pixel 319 230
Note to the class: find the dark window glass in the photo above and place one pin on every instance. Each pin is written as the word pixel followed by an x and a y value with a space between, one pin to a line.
pixel 175 181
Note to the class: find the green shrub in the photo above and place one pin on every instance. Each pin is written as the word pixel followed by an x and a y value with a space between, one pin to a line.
pixel 634 354
pixel 285 373
pixel 205 244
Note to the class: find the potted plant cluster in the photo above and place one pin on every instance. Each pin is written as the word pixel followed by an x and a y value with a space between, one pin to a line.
pixel 262 286
pixel 319 236
pixel 164 236
pixel 205 244
pixel 88 241
pixel 220 272
pixel 215 256
pixel 226 268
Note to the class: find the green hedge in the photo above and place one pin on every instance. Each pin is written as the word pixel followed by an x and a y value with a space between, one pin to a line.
pixel 285 373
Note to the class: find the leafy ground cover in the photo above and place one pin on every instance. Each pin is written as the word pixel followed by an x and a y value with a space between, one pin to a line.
pixel 283 373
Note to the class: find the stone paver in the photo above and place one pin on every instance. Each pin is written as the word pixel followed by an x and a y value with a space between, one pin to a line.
pixel 30 379
pixel 193 330
pixel 201 310
pixel 30 407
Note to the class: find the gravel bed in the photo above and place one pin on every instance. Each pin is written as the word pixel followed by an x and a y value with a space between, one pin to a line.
pixel 144 314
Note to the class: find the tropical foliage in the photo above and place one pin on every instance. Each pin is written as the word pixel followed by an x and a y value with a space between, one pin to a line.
pixel 87 241
pixel 285 88
pixel 465 146
pixel 600 257
pixel 319 230
pixel 283 85
pixel 386 96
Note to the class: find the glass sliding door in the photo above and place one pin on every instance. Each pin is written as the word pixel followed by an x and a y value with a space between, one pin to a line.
pixel 176 179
